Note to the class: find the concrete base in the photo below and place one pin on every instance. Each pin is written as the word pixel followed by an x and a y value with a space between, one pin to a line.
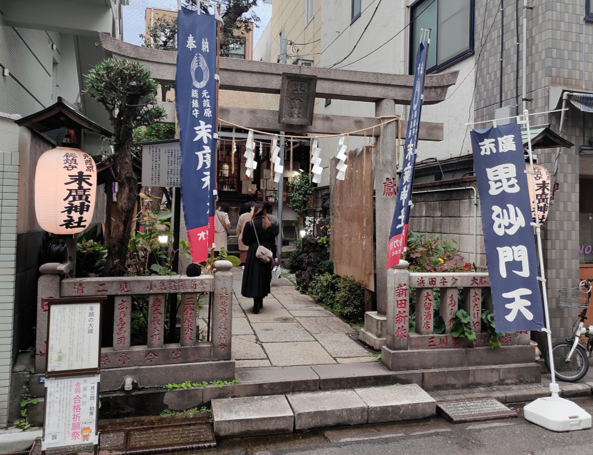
pixel 15 440
pixel 235 417
pixel 557 414
pixel 327 409
pixel 397 402
pixel 373 333
pixel 420 359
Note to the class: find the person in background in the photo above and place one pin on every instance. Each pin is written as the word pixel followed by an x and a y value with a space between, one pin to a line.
pixel 258 274
pixel 221 226
pixel 275 223
pixel 243 219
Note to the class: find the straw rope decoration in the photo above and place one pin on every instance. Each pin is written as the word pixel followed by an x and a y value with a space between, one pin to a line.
pixel 291 150
pixel 233 151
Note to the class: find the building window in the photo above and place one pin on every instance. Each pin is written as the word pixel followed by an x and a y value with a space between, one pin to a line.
pixel 309 10
pixel 237 50
pixel 588 11
pixel 452 31
pixel 356 9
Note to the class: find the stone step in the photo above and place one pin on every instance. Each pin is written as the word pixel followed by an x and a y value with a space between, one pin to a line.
pixel 233 417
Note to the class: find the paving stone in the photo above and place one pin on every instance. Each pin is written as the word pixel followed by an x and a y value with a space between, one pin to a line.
pixel 397 402
pixel 340 345
pixel 252 363
pixel 275 380
pixel 241 326
pixel 233 417
pixel 238 311
pixel 245 347
pixel 276 332
pixel 271 312
pixel 311 313
pixel 325 325
pixel 327 409
pixel 356 359
pixel 304 353
pixel 367 374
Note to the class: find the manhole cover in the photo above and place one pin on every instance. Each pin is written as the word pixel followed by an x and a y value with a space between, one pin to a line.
pixel 473 410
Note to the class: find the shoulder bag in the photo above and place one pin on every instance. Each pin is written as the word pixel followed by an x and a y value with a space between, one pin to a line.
pixel 262 253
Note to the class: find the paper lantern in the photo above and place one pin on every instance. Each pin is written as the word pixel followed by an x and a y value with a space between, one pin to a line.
pixel 65 188
pixel 542 191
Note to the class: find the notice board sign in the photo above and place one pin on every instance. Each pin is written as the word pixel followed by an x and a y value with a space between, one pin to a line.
pixel 161 164
pixel 71 408
pixel 74 334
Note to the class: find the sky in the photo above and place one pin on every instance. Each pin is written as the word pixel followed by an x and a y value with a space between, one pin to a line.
pixel 133 15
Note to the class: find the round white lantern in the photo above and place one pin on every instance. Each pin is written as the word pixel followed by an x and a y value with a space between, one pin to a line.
pixel 65 188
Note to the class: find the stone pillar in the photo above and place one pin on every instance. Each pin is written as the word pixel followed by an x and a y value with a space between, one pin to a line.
pixel 122 323
pixel 398 307
pixel 384 167
pixel 472 303
pixel 222 315
pixel 156 321
pixel 449 303
pixel 424 311
pixel 188 319
pixel 48 287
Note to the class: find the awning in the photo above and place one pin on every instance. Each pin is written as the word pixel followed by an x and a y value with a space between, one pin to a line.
pixel 544 138
pixel 582 101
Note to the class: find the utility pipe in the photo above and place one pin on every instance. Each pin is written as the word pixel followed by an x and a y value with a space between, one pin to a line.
pixel 442 190
pixel 524 55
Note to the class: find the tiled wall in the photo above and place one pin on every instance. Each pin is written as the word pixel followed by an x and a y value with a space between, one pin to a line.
pixel 556 34
pixel 9 168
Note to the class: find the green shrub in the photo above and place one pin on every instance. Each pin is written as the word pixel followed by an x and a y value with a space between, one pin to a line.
pixel 293 263
pixel 327 266
pixel 323 288
pixel 430 254
pixel 350 302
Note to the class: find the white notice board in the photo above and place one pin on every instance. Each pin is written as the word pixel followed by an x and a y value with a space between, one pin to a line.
pixel 161 165
pixel 73 339
pixel 71 407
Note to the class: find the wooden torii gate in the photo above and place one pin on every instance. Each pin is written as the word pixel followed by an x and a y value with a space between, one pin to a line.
pixel 384 90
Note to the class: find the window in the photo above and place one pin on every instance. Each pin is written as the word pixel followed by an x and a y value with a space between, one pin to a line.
pixel 588 11
pixel 309 10
pixel 452 31
pixel 356 7
pixel 237 50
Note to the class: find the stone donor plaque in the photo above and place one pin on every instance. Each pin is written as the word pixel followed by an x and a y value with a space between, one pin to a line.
pixel 297 99
pixel 473 410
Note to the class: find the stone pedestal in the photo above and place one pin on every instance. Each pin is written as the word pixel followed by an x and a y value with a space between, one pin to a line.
pixel 373 333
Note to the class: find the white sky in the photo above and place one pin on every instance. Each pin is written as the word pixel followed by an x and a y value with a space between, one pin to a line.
pixel 133 15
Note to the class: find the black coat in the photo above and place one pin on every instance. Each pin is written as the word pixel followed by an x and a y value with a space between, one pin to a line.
pixel 257 274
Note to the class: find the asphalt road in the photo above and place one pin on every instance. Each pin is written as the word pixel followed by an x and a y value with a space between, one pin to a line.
pixel 432 437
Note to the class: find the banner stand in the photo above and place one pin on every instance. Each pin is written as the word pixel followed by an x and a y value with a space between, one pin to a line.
pixel 553 413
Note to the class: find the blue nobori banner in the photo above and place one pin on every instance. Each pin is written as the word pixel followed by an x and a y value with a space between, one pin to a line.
pixel 398 236
pixel 508 235
pixel 195 97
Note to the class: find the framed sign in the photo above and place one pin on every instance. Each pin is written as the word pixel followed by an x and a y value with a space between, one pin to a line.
pixel 74 334
pixel 71 408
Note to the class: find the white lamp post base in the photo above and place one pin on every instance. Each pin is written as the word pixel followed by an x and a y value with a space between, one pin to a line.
pixel 557 414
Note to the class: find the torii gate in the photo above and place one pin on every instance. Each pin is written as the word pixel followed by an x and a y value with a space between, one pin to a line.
pixel 385 90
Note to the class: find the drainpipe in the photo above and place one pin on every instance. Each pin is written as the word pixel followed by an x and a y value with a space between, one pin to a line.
pixel 559 149
pixel 475 211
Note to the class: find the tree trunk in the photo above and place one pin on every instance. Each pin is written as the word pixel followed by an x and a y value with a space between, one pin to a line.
pixel 120 225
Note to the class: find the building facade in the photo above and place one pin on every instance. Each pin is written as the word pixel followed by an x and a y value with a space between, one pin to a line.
pixel 483 41
pixel 45 49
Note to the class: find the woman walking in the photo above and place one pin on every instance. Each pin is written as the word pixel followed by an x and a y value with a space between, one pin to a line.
pixel 258 274
pixel 221 226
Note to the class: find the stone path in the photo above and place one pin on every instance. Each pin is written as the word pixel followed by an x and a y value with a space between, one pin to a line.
pixel 291 329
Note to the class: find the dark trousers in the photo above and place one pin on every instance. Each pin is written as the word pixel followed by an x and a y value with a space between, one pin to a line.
pixel 258 302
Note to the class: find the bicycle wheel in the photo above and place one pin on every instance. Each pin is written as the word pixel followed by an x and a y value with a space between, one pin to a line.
pixel 573 369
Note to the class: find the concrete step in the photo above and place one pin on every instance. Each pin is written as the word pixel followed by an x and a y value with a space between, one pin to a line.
pixel 234 417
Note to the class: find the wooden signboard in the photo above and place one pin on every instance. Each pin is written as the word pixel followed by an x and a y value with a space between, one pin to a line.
pixel 74 334
pixel 352 246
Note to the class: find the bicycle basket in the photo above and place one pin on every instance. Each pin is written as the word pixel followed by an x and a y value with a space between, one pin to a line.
pixel 570 298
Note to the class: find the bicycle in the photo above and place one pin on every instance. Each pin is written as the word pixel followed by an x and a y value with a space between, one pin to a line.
pixel 571 358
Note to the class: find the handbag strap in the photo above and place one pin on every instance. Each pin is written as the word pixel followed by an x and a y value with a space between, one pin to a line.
pixel 255 230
